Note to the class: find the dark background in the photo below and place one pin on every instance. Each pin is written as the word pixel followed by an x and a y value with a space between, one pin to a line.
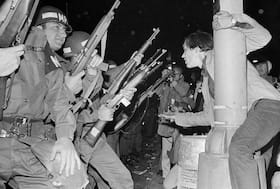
pixel 134 20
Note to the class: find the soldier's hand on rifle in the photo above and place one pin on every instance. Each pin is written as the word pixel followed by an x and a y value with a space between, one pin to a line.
pixel 10 59
pixel 137 57
pixel 92 66
pixel 105 113
pixel 74 83
pixel 128 93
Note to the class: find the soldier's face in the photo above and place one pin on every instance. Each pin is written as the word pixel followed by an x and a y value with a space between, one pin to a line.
pixel 56 34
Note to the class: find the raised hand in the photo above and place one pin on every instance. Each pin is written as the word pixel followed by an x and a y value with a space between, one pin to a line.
pixel 222 20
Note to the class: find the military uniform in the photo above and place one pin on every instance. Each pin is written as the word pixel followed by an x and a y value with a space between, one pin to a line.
pixel 37 91
pixel 101 156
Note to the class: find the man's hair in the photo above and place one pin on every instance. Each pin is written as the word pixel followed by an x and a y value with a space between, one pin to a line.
pixel 200 39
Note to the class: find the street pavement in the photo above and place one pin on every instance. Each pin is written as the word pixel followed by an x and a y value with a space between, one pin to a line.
pixel 144 166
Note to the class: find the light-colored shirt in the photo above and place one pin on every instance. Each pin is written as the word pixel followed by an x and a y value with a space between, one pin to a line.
pixel 205 117
pixel 258 88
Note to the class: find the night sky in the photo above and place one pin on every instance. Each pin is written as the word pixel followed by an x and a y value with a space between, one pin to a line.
pixel 135 19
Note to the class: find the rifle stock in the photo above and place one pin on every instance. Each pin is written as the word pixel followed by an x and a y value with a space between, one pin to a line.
pixel 87 52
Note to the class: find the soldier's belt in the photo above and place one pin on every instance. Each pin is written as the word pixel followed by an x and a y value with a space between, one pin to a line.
pixel 20 127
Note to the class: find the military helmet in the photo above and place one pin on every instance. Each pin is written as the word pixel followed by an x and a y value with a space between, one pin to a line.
pixel 75 43
pixel 52 14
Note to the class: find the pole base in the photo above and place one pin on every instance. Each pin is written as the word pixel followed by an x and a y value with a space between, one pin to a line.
pixel 213 172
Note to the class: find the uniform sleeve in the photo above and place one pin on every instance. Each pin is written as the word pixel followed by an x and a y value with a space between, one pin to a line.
pixel 59 106
pixel 70 95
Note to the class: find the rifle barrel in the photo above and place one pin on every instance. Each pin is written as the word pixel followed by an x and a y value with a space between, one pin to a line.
pixel 149 41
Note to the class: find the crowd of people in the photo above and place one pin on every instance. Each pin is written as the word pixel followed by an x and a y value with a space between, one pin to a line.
pixel 42 138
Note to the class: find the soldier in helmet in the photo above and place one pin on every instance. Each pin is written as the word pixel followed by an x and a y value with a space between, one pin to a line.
pixel 102 158
pixel 33 155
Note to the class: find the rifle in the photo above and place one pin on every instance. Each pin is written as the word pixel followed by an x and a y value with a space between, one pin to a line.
pixel 123 115
pixel 130 65
pixel 93 134
pixel 88 52
pixel 151 62
pixel 151 90
pixel 86 56
pixel 13 32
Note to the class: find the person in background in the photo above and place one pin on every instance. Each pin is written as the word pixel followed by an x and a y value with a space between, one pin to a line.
pixel 264 69
pixel 173 97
